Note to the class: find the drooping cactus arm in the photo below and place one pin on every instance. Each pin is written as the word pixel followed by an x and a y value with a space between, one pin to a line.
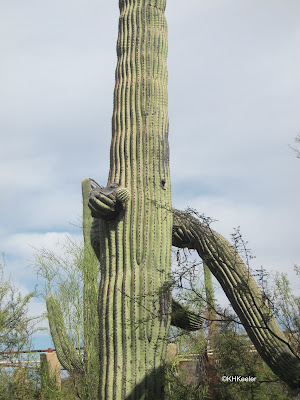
pixel 66 353
pixel 243 293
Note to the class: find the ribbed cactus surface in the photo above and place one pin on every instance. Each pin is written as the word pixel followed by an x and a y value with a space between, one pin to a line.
pixel 66 353
pixel 135 245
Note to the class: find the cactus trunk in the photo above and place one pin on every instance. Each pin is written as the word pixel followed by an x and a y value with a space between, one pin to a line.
pixel 135 245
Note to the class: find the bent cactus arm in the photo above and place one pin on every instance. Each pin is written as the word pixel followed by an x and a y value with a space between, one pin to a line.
pixel 242 292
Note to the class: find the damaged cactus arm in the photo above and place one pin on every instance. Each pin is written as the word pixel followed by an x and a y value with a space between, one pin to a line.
pixel 107 202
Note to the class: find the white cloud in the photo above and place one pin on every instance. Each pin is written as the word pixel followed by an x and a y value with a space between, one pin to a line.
pixel 20 249
pixel 25 243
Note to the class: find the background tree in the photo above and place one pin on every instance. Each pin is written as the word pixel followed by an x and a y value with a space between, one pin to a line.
pixel 16 330
pixel 233 353
pixel 16 327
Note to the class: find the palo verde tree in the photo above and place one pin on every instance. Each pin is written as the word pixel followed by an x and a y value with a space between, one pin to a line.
pixel 134 227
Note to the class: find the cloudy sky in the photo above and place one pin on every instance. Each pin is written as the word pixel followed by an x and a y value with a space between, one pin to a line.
pixel 234 100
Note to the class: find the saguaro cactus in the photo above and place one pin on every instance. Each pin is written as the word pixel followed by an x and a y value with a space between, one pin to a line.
pixel 135 226
pixel 132 232
pixel 132 228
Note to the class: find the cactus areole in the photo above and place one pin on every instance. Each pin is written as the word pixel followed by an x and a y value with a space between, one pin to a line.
pixel 135 212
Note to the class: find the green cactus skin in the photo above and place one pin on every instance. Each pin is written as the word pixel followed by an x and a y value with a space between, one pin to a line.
pixel 66 353
pixel 243 293
pixel 135 245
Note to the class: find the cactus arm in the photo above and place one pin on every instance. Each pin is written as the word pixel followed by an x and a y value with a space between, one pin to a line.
pixel 104 206
pixel 184 318
pixel 66 353
pixel 243 293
